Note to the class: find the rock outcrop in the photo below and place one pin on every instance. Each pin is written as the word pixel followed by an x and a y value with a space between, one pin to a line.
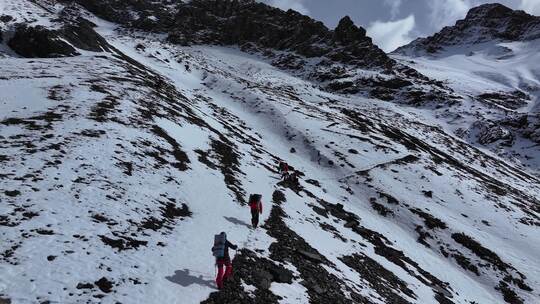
pixel 40 42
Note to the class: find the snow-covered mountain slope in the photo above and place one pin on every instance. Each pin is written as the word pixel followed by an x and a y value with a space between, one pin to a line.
pixel 491 60
pixel 118 165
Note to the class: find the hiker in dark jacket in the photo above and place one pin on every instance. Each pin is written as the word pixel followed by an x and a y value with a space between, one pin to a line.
pixel 283 168
pixel 293 179
pixel 255 204
pixel 221 252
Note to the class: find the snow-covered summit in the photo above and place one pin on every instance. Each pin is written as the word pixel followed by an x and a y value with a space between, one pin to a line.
pixel 485 23
pixel 491 60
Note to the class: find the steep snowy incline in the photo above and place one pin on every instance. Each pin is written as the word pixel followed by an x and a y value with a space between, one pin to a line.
pixel 119 166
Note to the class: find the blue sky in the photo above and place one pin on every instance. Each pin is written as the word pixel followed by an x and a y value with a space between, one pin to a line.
pixel 392 23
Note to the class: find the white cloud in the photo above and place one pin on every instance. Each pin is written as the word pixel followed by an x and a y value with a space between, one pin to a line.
pixel 531 6
pixel 446 12
pixel 392 34
pixel 297 5
pixel 394 5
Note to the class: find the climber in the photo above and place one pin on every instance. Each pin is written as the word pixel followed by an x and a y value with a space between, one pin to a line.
pixel 293 179
pixel 221 251
pixel 255 204
pixel 283 168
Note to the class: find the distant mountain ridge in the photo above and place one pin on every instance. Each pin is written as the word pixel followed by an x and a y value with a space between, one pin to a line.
pixel 484 23
pixel 491 59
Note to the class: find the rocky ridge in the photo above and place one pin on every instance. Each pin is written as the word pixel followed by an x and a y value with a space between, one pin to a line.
pixel 484 23
pixel 288 39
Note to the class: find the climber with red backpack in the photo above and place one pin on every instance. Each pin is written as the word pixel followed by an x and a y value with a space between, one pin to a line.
pixel 255 204
pixel 220 250
pixel 283 168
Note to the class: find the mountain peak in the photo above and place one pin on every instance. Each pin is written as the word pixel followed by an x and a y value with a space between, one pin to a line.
pixel 484 23
pixel 489 10
pixel 347 31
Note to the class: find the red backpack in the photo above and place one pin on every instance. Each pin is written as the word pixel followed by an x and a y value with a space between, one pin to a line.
pixel 255 202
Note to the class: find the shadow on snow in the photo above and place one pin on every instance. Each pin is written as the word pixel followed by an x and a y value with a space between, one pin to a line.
pixel 184 278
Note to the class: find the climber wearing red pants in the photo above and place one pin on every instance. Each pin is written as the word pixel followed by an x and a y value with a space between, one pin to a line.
pixel 221 251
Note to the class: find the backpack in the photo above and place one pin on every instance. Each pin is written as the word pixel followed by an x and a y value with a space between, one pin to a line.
pixel 218 250
pixel 255 198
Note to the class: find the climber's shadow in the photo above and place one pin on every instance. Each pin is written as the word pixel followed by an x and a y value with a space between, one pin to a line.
pixel 237 221
pixel 183 278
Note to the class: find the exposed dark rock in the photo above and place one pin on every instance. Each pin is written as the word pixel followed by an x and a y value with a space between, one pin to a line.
pixel 382 248
pixel 312 256
pixel 383 281
pixel 509 295
pixel 511 100
pixel 102 110
pixel 82 35
pixel 6 18
pixel 104 285
pixel 428 193
pixel 229 164
pixel 511 274
pixel 481 251
pixel 389 198
pixel 255 271
pixel 381 209
pixel 278 197
pixel 39 42
pixel 347 32
pixel 5 300
pixel 289 62
pixel 123 243
pixel 44 231
pixel 466 263
pixel 281 275
pixel 180 156
pixel 85 286
pixel 503 132
pixel 423 236
pixel 100 218
pixel 12 193
pixel 491 132
pixel 169 213
pixel 430 221
pixel 6 221
pixel 322 286
pixel 351 224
